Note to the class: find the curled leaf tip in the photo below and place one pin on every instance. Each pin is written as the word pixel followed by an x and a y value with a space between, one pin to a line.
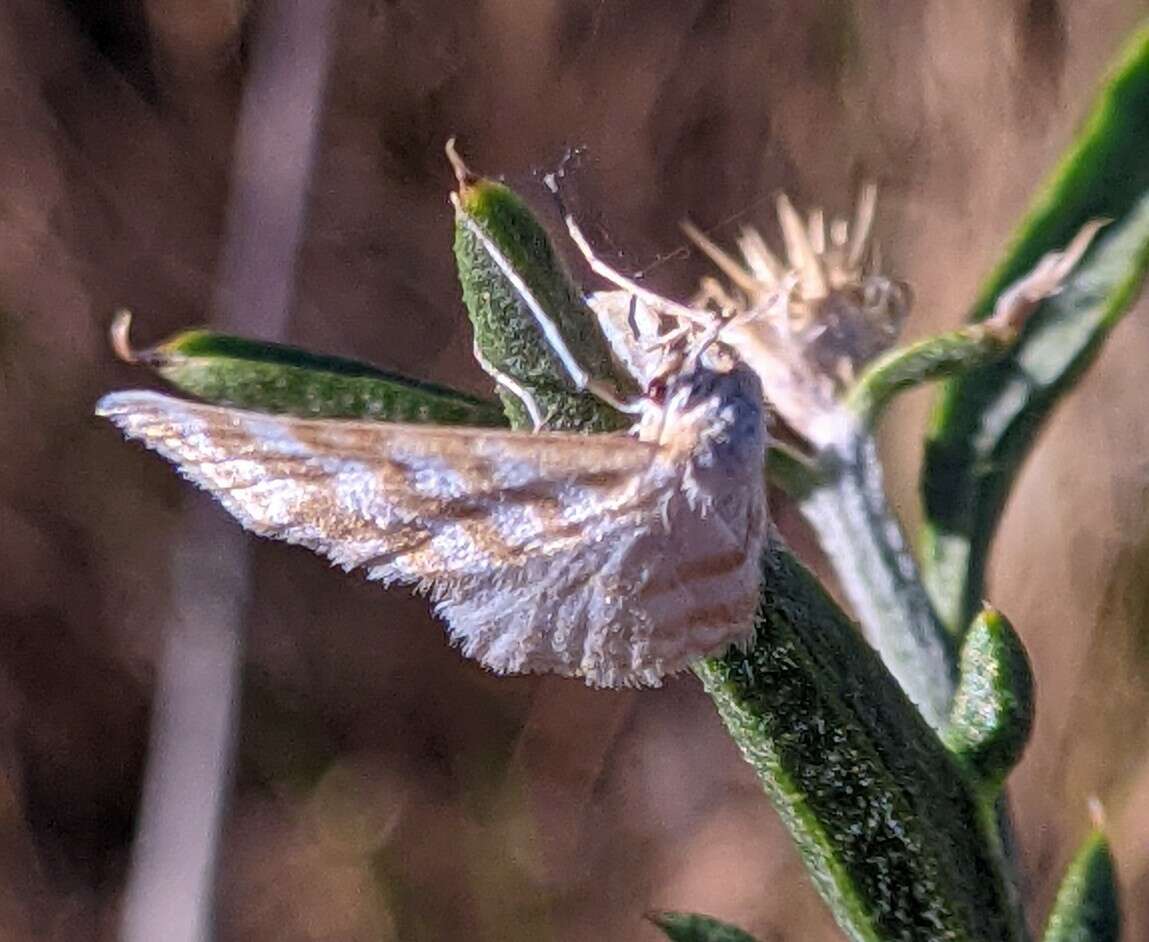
pixel 120 335
pixel 463 173
pixel 1021 299
pixel 1096 812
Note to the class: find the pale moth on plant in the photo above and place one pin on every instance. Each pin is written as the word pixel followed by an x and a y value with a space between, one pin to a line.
pixel 616 558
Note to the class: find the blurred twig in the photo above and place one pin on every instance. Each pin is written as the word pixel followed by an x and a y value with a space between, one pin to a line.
pixel 170 889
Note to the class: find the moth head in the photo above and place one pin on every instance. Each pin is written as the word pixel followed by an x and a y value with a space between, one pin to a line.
pixel 717 415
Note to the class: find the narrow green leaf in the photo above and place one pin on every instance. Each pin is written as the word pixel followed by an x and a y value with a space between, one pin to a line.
pixel 864 542
pixel 507 332
pixel 1087 907
pixel 888 825
pixel 695 927
pixel 986 420
pixel 993 710
pixel 270 377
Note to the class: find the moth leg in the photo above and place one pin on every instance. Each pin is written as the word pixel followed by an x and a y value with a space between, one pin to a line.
pixel 512 386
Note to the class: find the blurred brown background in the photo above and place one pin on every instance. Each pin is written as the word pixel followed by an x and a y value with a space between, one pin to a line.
pixel 385 788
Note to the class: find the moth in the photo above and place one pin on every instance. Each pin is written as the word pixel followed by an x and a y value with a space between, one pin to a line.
pixel 615 558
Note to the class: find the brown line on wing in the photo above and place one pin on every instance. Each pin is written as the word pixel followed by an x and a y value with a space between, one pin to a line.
pixel 692 571
pixel 396 477
pixel 235 452
pixel 488 539
pixel 468 448
pixel 419 518
pixel 397 487
pixel 168 423
pixel 234 473
pixel 230 443
pixel 731 612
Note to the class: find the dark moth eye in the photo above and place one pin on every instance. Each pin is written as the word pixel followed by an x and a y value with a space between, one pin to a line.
pixel 656 390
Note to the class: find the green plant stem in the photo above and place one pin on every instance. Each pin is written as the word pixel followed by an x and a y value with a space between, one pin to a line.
pixel 790 470
pixel 934 358
pixel 879 576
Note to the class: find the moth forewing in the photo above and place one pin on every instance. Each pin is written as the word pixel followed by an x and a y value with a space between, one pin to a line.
pixel 616 558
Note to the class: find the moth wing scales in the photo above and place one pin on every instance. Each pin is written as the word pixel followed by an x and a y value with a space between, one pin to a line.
pixel 357 490
pixel 533 545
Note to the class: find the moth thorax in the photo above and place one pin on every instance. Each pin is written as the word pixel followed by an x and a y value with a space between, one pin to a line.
pixel 719 417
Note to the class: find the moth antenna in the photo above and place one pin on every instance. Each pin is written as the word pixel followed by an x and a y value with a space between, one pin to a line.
pixel 119 334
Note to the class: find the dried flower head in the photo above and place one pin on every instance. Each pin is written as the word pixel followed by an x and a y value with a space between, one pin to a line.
pixel 809 322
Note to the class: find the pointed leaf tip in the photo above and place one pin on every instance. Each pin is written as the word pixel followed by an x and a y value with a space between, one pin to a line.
pixel 120 335
pixel 1087 908
pixel 696 927
pixel 463 173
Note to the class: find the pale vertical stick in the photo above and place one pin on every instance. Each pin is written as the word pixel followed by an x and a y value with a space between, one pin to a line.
pixel 274 154
pixel 170 890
